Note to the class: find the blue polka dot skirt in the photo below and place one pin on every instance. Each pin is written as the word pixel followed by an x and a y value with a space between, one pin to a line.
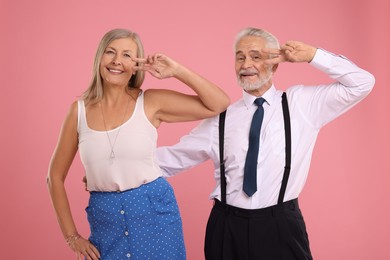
pixel 141 223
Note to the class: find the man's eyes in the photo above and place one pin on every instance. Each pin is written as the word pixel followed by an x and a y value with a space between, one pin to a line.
pixel 253 58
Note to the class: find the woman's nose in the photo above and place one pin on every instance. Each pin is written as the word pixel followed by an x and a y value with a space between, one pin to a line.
pixel 116 61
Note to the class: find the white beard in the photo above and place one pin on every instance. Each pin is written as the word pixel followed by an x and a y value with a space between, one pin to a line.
pixel 247 86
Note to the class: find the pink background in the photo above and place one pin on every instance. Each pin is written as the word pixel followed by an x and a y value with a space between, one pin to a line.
pixel 47 53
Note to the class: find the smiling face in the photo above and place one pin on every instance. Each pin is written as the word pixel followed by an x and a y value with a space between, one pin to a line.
pixel 117 66
pixel 252 73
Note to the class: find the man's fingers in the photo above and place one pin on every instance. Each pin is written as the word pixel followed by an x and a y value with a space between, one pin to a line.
pixel 273 61
pixel 271 51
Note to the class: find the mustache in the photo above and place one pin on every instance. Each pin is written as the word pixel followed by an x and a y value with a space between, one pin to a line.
pixel 250 71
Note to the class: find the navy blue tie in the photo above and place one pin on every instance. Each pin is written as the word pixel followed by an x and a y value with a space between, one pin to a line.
pixel 250 170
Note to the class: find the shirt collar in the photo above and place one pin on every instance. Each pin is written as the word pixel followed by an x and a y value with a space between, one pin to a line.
pixel 268 96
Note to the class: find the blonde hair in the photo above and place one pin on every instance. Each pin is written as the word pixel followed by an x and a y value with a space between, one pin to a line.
pixel 94 92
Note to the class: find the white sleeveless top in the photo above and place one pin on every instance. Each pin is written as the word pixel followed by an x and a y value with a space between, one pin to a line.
pixel 134 163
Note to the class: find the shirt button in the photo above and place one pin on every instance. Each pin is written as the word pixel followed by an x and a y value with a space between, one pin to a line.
pixel 128 255
pixel 126 233
pixel 122 212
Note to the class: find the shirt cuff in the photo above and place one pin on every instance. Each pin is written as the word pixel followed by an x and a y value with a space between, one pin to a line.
pixel 322 59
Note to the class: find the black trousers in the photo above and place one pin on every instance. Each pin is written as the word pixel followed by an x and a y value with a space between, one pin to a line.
pixel 273 233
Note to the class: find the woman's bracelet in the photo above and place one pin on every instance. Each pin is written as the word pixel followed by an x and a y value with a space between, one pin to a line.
pixel 72 238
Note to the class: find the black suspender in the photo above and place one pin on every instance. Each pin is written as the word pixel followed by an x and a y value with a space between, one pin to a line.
pixel 221 160
pixel 287 167
pixel 287 135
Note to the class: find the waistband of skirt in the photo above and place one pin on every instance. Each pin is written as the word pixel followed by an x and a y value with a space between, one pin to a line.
pixel 144 185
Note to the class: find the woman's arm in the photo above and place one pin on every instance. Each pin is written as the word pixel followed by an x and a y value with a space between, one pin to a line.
pixel 60 163
pixel 172 106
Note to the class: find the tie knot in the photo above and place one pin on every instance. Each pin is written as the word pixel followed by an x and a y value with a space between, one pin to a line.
pixel 259 101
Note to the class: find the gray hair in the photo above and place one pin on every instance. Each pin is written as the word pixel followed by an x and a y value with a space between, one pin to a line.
pixel 271 41
pixel 94 93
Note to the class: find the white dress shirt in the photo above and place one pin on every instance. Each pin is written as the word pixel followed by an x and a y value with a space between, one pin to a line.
pixel 311 107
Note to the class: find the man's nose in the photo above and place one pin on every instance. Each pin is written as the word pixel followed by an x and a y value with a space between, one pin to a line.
pixel 248 63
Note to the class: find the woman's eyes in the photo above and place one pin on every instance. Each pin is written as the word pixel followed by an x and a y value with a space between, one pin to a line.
pixel 111 52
